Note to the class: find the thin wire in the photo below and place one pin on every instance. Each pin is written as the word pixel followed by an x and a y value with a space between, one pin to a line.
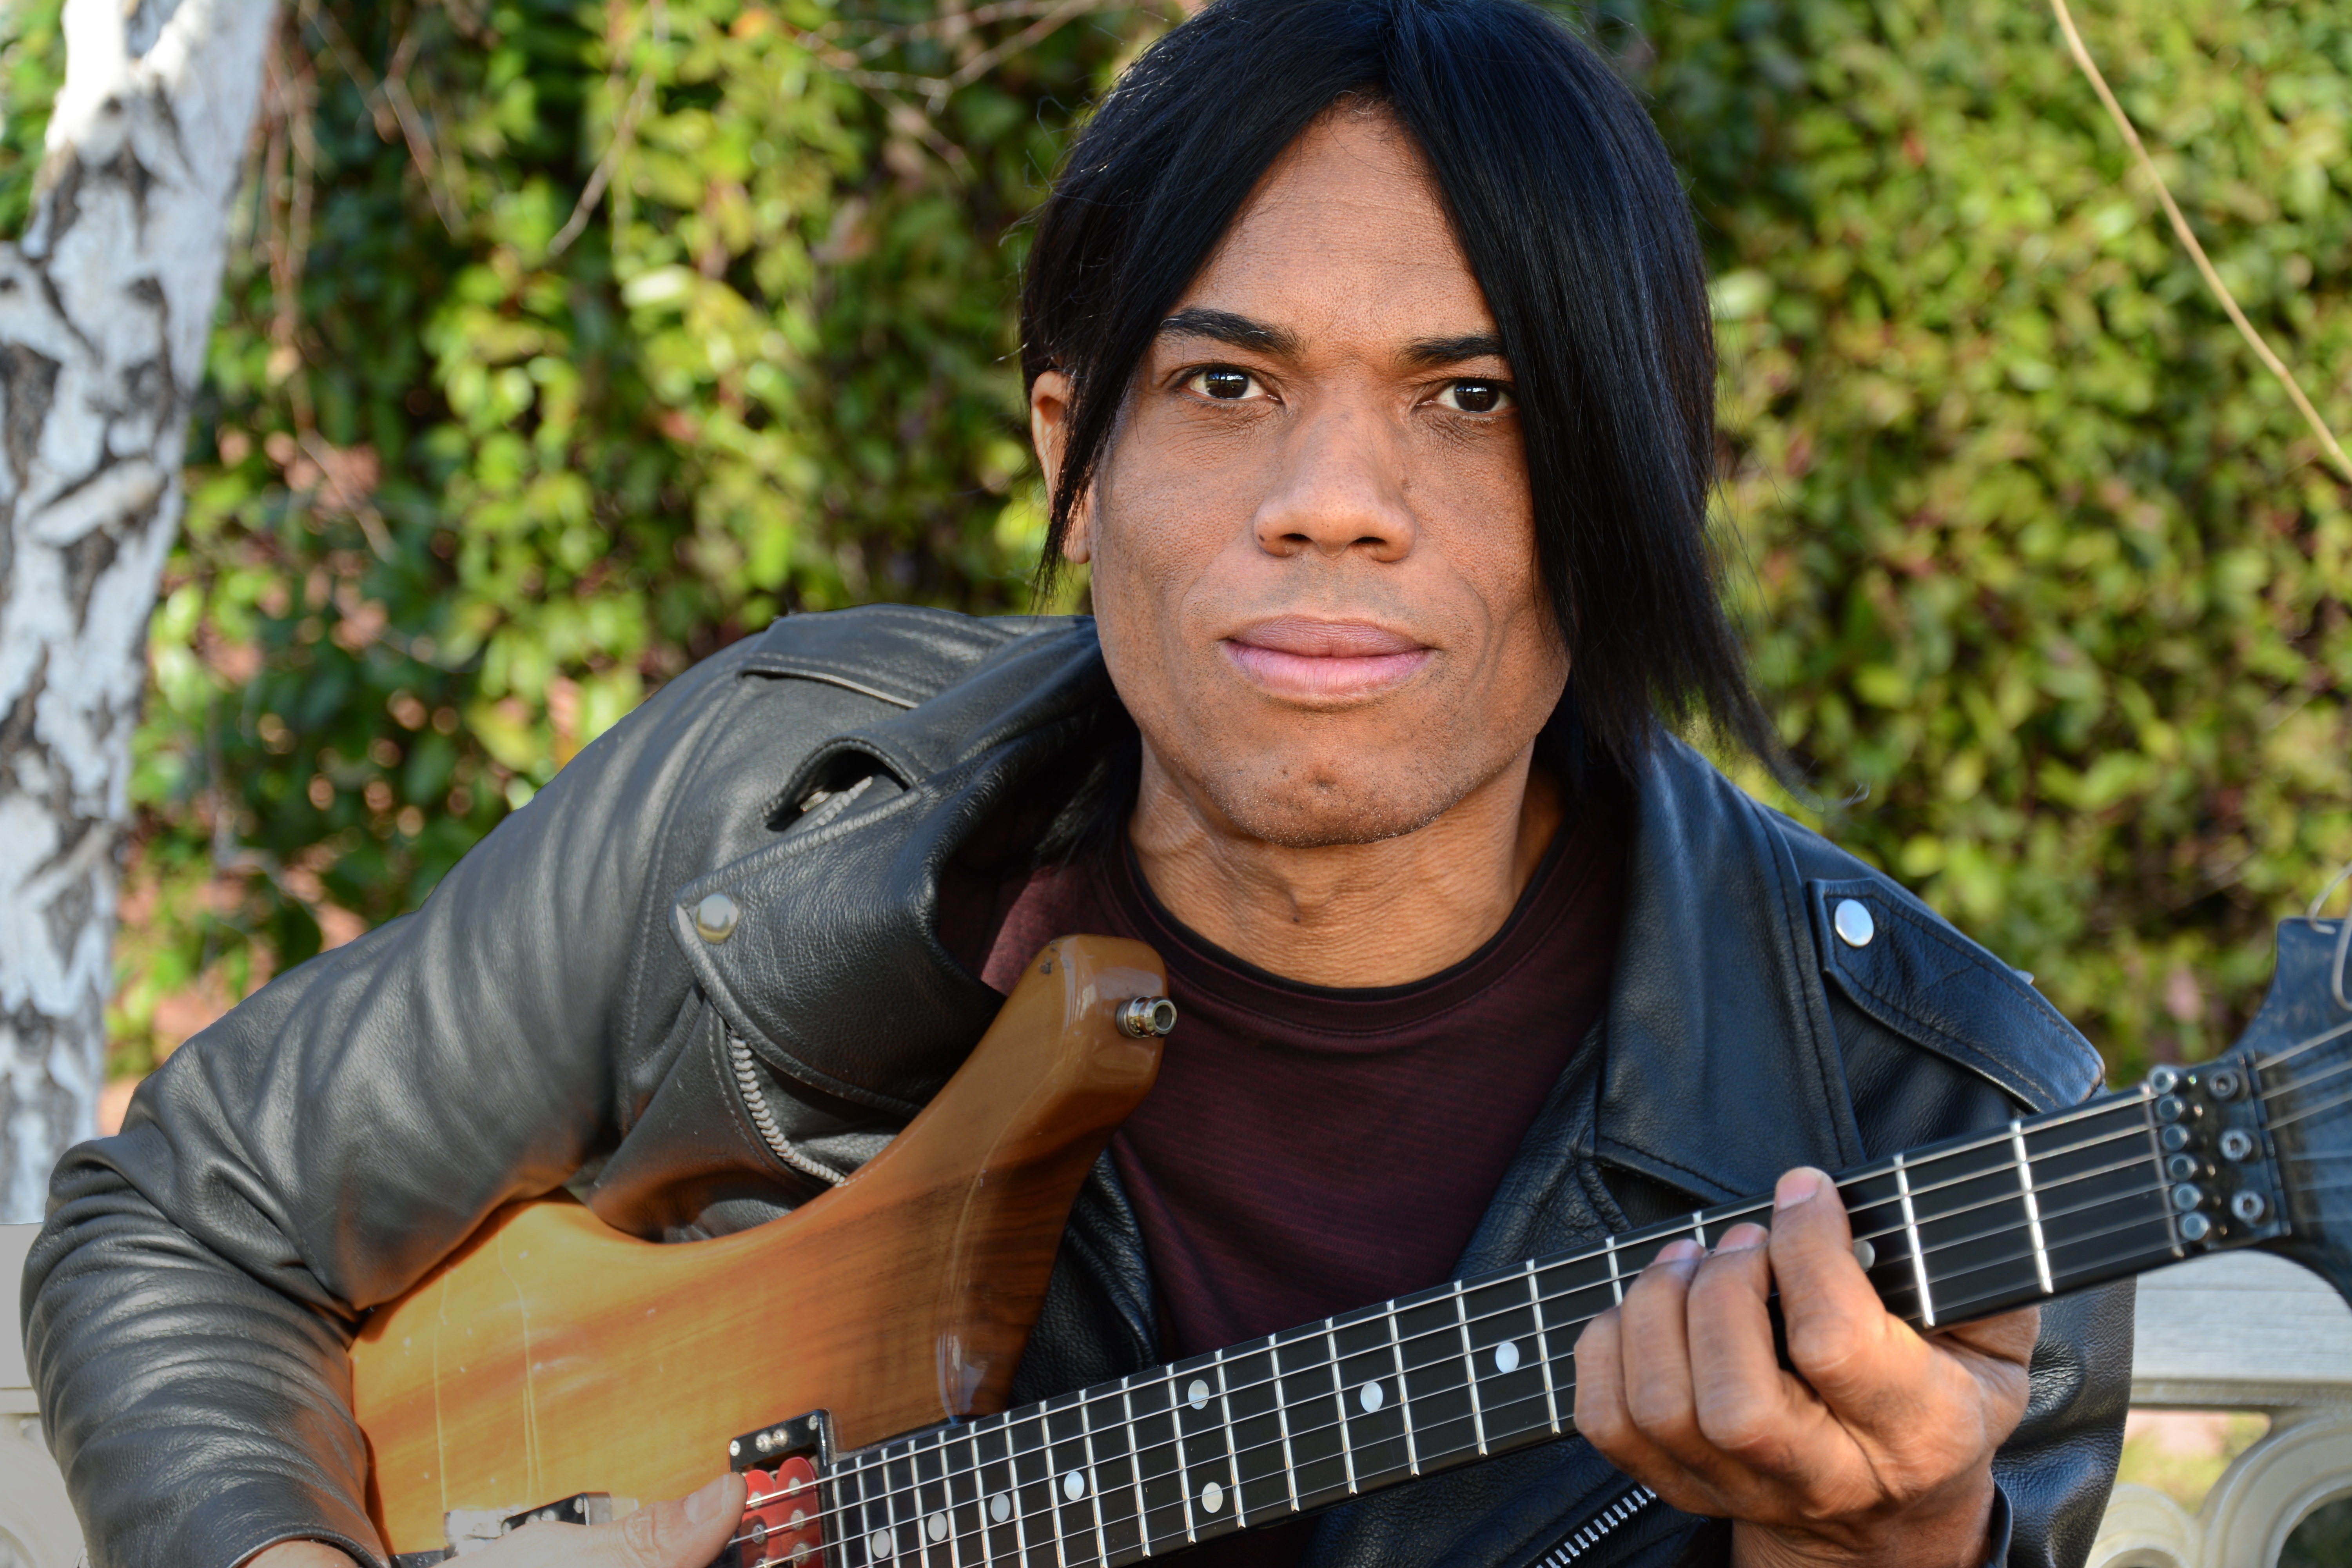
pixel 2334 882
pixel 2291 1052
pixel 2197 252
pixel 1723 1220
pixel 895 1491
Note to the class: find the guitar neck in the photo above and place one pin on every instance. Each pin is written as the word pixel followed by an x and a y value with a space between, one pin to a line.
pixel 1303 1419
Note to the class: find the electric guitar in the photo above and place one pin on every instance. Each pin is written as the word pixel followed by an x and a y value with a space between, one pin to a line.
pixel 853 1358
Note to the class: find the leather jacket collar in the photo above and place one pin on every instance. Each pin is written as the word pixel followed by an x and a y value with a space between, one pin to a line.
pixel 1722 997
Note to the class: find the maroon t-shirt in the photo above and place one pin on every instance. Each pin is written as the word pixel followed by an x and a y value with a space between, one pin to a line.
pixel 1308 1151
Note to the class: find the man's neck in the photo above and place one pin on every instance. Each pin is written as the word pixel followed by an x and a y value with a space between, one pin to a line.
pixel 1348 914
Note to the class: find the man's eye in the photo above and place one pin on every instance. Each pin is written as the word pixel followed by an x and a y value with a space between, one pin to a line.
pixel 1475 396
pixel 1225 383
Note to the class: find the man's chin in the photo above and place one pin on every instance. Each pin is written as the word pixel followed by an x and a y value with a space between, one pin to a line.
pixel 1322 817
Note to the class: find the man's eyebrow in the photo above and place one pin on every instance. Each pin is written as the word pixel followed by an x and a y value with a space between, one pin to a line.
pixel 1226 327
pixel 1428 354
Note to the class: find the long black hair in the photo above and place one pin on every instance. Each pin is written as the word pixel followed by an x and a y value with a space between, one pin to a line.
pixel 1568 208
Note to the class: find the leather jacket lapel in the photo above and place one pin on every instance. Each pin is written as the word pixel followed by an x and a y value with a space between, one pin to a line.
pixel 1722 1067
pixel 833 971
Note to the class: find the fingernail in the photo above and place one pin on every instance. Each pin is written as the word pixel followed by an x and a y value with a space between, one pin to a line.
pixel 1799 1187
pixel 706 1502
pixel 1743 1238
pixel 1683 1251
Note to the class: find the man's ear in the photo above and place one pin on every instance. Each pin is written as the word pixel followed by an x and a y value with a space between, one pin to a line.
pixel 1049 428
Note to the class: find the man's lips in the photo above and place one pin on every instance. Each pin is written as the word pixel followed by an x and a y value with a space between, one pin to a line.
pixel 1294 656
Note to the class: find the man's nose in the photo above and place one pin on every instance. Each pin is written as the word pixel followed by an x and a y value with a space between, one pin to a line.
pixel 1341 486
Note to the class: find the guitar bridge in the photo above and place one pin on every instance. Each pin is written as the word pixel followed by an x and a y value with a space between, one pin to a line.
pixel 783 1510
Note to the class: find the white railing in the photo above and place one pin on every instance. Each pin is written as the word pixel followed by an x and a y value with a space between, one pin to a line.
pixel 2239 1331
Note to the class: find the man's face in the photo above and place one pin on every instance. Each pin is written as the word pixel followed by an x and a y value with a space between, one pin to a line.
pixel 1313 551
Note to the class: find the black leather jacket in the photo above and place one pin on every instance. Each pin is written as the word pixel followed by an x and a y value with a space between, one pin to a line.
pixel 551 1016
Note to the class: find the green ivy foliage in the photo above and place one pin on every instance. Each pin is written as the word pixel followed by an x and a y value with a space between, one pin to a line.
pixel 2044 578
pixel 2042 565
pixel 560 346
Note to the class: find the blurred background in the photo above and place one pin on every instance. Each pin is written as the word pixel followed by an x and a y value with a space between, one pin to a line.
pixel 563 343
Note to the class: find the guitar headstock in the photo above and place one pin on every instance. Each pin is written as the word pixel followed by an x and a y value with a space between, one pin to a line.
pixel 2295 1059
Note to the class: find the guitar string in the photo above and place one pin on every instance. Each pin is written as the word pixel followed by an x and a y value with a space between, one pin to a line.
pixel 882 1457
pixel 1450 1329
pixel 1225 1465
pixel 2284 1121
pixel 1736 1215
pixel 2303 1083
pixel 1991 1140
pixel 2287 1053
pixel 1720 1221
pixel 1725 1220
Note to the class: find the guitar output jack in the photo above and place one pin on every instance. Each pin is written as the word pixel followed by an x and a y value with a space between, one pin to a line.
pixel 1144 1016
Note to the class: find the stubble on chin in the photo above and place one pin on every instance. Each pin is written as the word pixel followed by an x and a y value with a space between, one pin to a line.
pixel 1312 805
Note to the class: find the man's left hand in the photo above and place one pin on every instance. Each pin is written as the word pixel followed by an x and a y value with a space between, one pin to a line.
pixel 1877 1449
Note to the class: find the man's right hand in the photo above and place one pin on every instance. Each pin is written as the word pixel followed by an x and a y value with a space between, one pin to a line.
pixel 687 1532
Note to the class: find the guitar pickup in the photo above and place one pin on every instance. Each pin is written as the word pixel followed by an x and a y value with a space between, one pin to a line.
pixel 471 1529
pixel 810 1435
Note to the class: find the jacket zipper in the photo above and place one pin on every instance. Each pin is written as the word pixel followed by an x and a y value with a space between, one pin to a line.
pixel 755 1100
pixel 1583 1538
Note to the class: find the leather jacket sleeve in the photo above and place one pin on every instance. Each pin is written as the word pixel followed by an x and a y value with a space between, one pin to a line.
pixel 188 1304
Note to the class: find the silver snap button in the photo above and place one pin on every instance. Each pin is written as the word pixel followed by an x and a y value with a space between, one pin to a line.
pixel 715 917
pixel 1855 926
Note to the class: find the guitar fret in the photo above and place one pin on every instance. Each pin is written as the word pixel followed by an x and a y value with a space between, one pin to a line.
pixel 889 1535
pixel 1282 1424
pixel 1918 1257
pixel 1455 1358
pixel 1183 1458
pixel 1134 1464
pixel 1470 1369
pixel 2032 1205
pixel 1339 1403
pixel 1093 1476
pixel 977 1491
pixel 1543 1346
pixel 1404 1400
pixel 848 1479
pixel 1232 1456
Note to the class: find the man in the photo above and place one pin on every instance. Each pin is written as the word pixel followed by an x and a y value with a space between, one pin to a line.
pixel 1370 364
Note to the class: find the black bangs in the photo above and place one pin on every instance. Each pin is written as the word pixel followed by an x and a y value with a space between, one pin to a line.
pixel 1576 228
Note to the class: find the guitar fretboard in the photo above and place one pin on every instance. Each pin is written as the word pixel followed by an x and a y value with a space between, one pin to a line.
pixel 1312 1417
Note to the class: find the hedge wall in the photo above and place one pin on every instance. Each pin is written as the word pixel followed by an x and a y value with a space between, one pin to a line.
pixel 2044 578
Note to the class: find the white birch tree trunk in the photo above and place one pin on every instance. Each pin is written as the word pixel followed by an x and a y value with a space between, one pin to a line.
pixel 105 308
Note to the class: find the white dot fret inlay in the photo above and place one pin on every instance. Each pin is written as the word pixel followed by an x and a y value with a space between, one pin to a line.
pixel 1506 1357
pixel 1197 1394
pixel 1074 1486
pixel 999 1508
pixel 1372 1396
pixel 938 1527
pixel 878 1546
pixel 1213 1498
